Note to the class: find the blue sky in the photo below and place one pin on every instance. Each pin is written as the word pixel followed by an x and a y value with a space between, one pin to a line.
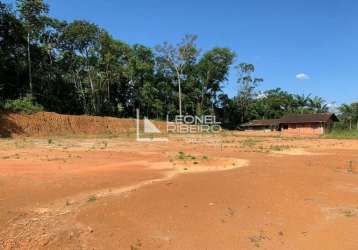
pixel 318 38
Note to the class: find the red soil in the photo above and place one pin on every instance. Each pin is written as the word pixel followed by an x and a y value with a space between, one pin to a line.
pixel 102 193
pixel 46 124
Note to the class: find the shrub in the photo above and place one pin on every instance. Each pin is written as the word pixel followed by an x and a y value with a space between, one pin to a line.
pixel 25 105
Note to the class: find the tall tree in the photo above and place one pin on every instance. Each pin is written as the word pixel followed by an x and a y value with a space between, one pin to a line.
pixel 12 55
pixel 213 69
pixel 177 58
pixel 247 85
pixel 80 40
pixel 32 15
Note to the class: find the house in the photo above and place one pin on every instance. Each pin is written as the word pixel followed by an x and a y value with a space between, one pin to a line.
pixel 295 124
pixel 307 124
pixel 266 125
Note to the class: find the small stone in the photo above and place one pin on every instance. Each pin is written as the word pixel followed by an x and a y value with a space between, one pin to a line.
pixel 90 230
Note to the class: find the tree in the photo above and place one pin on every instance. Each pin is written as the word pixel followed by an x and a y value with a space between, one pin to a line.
pixel 12 55
pixel 302 103
pixel 247 85
pixel 79 43
pixel 177 58
pixel 273 103
pixel 349 114
pixel 32 16
pixel 213 69
pixel 318 105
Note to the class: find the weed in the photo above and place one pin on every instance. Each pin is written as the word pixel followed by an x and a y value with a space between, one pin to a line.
pixel 49 141
pixel 105 144
pixel 249 143
pixel 349 213
pixel 231 212
pixel 257 239
pixel 92 198
pixel 137 245
pixel 205 157
pixel 279 147
pixel 350 168
pixel 181 155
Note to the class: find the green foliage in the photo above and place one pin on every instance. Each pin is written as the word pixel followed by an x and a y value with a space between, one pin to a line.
pixel 342 134
pixel 348 116
pixel 181 155
pixel 79 68
pixel 25 105
pixel 32 14
pixel 279 147
pixel 247 85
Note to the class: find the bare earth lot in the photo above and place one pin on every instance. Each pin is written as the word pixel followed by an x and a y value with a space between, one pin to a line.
pixel 221 192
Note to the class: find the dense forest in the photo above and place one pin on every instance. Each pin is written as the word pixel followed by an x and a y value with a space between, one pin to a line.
pixel 79 68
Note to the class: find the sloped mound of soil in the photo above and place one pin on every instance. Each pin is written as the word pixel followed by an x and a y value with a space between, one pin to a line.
pixel 47 123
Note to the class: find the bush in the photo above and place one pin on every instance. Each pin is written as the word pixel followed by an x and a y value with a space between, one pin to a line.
pixel 25 105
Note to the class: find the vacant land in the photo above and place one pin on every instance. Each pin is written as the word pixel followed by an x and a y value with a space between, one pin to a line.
pixel 212 192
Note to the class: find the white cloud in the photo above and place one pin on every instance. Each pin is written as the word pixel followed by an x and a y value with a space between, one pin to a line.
pixel 332 107
pixel 261 95
pixel 302 76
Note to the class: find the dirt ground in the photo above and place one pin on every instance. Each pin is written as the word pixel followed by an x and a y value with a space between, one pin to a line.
pixel 226 191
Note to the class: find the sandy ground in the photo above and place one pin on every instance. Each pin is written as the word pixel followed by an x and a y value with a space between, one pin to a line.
pixel 215 192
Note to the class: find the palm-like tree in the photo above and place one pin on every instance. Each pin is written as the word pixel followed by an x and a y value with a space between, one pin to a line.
pixel 346 112
pixel 302 102
pixel 318 105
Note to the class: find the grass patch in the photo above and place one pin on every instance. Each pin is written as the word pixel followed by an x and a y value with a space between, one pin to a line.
pixel 279 147
pixel 195 159
pixel 342 134
pixel 249 143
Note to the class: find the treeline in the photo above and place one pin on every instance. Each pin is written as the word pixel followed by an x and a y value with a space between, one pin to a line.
pixel 79 68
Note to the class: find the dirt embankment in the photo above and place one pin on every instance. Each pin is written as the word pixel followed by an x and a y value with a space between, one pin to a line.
pixel 47 124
